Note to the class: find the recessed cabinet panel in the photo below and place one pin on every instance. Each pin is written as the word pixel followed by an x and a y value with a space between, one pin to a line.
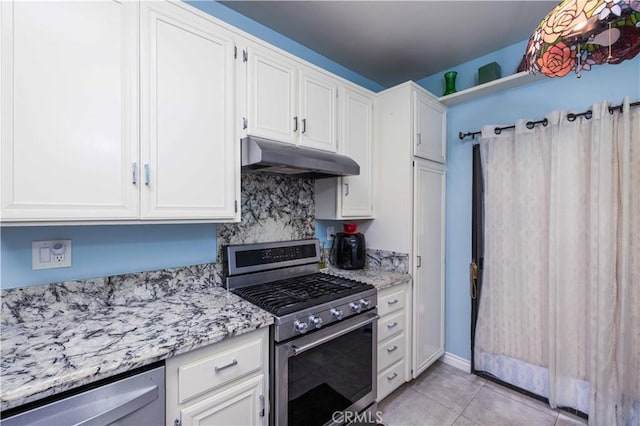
pixel 272 96
pixel 428 265
pixel 318 111
pixel 238 406
pixel 430 129
pixel 188 167
pixel 69 104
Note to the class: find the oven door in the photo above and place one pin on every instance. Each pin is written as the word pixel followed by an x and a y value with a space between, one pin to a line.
pixel 325 377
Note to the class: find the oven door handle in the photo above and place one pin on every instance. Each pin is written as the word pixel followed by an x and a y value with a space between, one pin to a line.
pixel 347 327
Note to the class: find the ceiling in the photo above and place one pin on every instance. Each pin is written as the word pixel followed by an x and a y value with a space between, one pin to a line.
pixel 390 42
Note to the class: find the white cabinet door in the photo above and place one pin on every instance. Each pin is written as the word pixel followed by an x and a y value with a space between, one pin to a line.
pixel 272 94
pixel 318 110
pixel 241 405
pixel 429 128
pixel 69 83
pixel 190 158
pixel 428 265
pixel 357 191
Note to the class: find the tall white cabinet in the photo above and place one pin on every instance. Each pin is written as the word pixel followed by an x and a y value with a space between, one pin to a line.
pixel 351 197
pixel 68 117
pixel 116 111
pixel 188 151
pixel 410 205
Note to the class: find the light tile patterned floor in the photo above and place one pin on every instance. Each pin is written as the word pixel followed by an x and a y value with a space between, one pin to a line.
pixel 445 395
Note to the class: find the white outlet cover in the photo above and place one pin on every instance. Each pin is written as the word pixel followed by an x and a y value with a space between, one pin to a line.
pixel 330 231
pixel 50 254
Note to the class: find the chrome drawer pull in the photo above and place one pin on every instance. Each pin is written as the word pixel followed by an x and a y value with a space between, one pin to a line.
pixel 231 364
pixel 392 376
pixel 391 349
pixel 392 302
pixel 393 324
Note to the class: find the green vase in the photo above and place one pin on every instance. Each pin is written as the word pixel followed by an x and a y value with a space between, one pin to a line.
pixel 449 82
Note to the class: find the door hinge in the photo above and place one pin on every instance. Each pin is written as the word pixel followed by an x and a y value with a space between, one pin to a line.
pixel 245 55
pixel 235 52
pixel 245 123
pixel 177 422
pixel 413 164
pixel 235 206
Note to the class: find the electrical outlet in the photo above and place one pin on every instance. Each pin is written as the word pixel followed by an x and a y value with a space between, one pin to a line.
pixel 50 254
pixel 331 232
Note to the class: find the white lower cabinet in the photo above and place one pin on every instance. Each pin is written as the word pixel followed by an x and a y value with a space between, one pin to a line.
pixel 393 344
pixel 222 384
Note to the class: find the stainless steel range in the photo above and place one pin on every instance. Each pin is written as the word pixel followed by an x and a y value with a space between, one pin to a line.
pixel 323 357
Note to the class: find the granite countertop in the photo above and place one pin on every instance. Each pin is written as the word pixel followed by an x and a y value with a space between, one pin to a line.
pixel 379 278
pixel 62 336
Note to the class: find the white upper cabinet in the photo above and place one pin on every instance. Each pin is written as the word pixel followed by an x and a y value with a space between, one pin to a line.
pixel 429 136
pixel 69 125
pixel 288 101
pixel 351 197
pixel 188 152
pixel 272 96
pixel 318 110
pixel 117 111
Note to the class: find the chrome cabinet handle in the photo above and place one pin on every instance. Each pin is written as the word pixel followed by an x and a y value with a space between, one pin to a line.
pixel 391 349
pixel 419 135
pixel 147 174
pixel 419 262
pixel 391 325
pixel 134 166
pixel 346 186
pixel 224 367
pixel 392 376
pixel 295 124
pixel 392 302
pixel 304 125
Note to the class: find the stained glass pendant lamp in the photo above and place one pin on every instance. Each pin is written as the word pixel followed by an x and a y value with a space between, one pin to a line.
pixel 578 34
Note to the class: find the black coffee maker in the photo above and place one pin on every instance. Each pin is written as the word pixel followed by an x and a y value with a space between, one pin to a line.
pixel 348 249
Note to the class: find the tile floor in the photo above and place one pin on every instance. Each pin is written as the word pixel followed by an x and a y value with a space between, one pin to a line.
pixel 445 395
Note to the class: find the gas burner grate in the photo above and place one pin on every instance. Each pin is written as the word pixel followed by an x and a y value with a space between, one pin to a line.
pixel 293 294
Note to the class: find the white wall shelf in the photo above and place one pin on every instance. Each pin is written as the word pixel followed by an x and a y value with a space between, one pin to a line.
pixel 494 86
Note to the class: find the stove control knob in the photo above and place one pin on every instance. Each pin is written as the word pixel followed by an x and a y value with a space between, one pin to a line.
pixel 300 326
pixel 355 306
pixel 336 313
pixel 364 303
pixel 315 321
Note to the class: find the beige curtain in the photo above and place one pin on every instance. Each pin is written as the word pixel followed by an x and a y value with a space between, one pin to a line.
pixel 562 259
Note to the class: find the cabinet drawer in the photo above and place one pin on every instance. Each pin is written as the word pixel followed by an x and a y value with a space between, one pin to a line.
pixel 216 370
pixel 390 379
pixel 390 351
pixel 392 301
pixel 390 325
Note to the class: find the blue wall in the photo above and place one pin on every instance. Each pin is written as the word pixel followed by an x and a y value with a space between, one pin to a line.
pixel 603 82
pixel 267 34
pixel 115 249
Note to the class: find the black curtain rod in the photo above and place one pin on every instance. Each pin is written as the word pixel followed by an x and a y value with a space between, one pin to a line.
pixel 531 124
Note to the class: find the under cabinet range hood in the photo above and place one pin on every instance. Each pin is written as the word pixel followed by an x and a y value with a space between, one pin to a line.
pixel 270 157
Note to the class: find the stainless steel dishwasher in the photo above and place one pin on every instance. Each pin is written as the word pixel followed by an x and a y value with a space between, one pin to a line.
pixel 136 400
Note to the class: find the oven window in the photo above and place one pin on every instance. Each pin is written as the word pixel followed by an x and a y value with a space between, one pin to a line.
pixel 330 377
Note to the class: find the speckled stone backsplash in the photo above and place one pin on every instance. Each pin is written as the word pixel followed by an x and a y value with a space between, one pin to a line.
pixel 28 303
pixel 382 260
pixel 274 208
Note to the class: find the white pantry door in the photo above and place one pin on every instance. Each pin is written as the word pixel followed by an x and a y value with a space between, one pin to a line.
pixel 69 83
pixel 428 264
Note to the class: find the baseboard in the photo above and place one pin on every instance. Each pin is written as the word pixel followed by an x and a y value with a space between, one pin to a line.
pixel 456 361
